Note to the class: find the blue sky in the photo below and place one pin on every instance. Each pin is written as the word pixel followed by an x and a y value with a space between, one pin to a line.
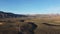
pixel 30 6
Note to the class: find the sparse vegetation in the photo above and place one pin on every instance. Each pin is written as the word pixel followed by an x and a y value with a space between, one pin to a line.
pixel 12 25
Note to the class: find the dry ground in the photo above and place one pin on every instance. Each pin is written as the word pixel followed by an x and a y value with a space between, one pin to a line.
pixel 10 25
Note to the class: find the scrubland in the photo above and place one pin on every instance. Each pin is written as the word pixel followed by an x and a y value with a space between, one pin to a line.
pixel 11 25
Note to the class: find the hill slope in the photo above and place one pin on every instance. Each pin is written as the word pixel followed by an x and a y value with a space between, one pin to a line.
pixel 10 15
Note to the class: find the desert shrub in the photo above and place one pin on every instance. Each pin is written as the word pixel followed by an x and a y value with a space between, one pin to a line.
pixel 28 28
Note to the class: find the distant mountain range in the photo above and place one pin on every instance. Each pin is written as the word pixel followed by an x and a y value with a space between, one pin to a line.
pixel 10 15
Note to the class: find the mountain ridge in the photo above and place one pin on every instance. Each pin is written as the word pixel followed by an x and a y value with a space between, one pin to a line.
pixel 10 15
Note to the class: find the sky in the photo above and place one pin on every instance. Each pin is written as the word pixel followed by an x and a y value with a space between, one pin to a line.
pixel 30 6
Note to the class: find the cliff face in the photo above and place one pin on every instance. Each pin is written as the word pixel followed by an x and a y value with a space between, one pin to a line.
pixel 10 15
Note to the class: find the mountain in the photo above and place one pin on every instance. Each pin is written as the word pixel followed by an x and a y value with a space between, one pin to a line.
pixel 10 15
